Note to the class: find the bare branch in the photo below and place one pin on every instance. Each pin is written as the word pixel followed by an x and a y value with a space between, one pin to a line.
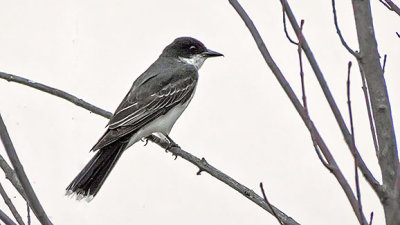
pixel 11 176
pixel 394 7
pixel 340 33
pixel 371 120
pixel 28 213
pixel 7 220
pixel 385 4
pixel 391 6
pixel 284 26
pixel 56 92
pixel 370 65
pixel 371 218
pixel 10 205
pixel 398 35
pixel 30 194
pixel 303 90
pixel 331 101
pixel 300 109
pixel 269 204
pixel 204 166
pixel 321 158
pixel 384 65
pixel 358 191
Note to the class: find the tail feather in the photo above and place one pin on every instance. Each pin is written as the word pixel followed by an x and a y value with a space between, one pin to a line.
pixel 89 181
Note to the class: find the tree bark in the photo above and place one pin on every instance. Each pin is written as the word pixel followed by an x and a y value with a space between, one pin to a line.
pixel 371 67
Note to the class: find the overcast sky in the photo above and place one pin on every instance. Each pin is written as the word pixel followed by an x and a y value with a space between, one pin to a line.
pixel 240 119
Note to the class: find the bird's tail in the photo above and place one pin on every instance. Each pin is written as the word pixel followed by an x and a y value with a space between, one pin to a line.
pixel 89 181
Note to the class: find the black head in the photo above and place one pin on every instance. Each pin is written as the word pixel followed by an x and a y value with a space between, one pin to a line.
pixel 187 47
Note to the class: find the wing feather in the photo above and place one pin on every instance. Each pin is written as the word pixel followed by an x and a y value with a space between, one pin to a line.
pixel 171 95
pixel 132 115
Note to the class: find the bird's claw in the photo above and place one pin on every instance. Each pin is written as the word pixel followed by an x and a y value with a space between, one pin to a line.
pixel 170 146
pixel 146 142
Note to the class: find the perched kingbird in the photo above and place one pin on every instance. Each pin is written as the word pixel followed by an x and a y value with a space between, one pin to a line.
pixel 153 104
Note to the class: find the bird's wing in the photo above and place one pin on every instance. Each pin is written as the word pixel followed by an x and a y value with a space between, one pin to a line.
pixel 147 102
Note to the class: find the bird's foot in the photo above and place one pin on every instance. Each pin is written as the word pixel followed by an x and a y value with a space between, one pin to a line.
pixel 170 146
pixel 145 140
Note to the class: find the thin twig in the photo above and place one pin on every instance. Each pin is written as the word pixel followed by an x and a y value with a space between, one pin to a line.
pixel 54 91
pixel 371 218
pixel 357 181
pixel 391 6
pixel 303 91
pixel 28 213
pixel 10 205
pixel 30 194
pixel 370 118
pixel 331 101
pixel 269 204
pixel 295 101
pixel 340 33
pixel 398 35
pixel 285 28
pixel 6 220
pixel 385 4
pixel 320 156
pixel 384 64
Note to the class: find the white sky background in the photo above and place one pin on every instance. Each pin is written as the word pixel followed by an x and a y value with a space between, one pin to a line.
pixel 240 119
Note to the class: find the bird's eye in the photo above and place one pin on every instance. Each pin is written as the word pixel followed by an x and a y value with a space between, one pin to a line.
pixel 192 48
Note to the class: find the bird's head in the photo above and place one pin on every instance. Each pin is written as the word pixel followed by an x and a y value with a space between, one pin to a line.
pixel 190 51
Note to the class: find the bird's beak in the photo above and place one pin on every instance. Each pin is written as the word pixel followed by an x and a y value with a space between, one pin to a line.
pixel 211 53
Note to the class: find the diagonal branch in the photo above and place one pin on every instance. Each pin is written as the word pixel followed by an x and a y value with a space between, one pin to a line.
pixel 7 220
pixel 391 6
pixel 385 4
pixel 331 101
pixel 11 176
pixel 300 109
pixel 30 194
pixel 202 164
pixel 53 91
pixel 10 205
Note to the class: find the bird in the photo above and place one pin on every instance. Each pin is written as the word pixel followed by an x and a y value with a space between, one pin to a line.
pixel 155 101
